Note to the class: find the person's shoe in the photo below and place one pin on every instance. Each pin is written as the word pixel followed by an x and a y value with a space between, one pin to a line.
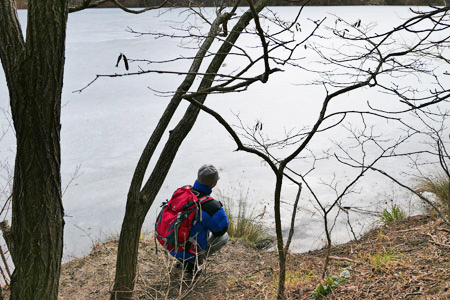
pixel 190 267
pixel 178 265
pixel 193 269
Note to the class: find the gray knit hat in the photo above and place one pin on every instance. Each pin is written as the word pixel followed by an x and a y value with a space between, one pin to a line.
pixel 208 175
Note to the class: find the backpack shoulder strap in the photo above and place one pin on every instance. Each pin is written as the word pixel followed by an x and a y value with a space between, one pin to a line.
pixel 205 199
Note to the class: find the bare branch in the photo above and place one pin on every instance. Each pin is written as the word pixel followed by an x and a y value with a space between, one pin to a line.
pixel 265 77
pixel 294 213
pixel 141 72
pixel 230 130
pixel 91 4
pixel 12 45
pixel 7 236
pixel 153 142
pixel 425 199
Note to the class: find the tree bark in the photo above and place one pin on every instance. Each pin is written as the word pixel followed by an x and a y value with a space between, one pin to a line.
pixel 34 73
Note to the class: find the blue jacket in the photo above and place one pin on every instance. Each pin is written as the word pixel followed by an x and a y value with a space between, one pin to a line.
pixel 213 219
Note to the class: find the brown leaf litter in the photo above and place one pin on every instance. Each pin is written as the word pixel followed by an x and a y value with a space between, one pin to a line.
pixel 407 259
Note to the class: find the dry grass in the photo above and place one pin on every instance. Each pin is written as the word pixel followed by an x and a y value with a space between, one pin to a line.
pixel 407 259
pixel 439 186
pixel 244 222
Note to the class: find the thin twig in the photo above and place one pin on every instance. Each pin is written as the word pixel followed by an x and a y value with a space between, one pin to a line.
pixel 342 258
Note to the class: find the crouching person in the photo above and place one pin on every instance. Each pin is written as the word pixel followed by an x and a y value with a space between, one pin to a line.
pixel 193 225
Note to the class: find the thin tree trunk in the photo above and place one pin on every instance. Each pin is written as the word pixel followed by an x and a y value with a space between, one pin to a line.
pixel 34 73
pixel 327 256
pixel 448 197
pixel 135 214
pixel 127 255
pixel 138 203
pixel 279 233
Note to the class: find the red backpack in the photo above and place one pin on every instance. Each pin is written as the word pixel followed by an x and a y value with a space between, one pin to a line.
pixel 177 217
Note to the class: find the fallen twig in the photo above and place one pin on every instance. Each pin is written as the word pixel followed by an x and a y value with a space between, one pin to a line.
pixel 443 229
pixel 410 229
pixel 433 240
pixel 342 258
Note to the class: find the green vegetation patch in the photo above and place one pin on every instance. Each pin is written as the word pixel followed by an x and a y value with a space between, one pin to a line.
pixel 325 287
pixel 393 214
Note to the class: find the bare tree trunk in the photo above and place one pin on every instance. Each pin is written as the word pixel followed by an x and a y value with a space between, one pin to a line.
pixel 327 255
pixel 34 72
pixel 135 212
pixel 448 198
pixel 127 255
pixel 279 232
pixel 139 201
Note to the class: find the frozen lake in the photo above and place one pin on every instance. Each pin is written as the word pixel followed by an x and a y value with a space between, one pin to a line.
pixel 105 128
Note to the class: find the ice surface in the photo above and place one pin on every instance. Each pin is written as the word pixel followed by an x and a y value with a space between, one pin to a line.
pixel 105 128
